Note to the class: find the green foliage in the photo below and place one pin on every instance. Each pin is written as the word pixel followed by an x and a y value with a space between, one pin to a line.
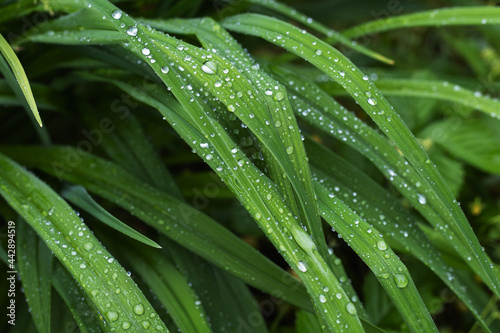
pixel 326 175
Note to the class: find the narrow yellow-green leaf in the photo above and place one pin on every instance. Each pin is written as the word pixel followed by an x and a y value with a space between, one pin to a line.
pixel 20 75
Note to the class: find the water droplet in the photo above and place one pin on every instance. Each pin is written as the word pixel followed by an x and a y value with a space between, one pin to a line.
pixel 88 246
pixel 401 280
pixel 209 67
pixel 322 298
pixel 117 14
pixel 302 267
pixel 319 52
pixel 289 150
pixel 145 324
pixel 83 266
pixel 351 308
pixel 384 275
pixel 382 245
pixel 279 96
pixel 112 316
pixel 138 309
pixel 421 199
pixel 231 108
pixel 277 123
pixel 372 101
pixel 132 31
pixel 217 84
pixel 146 51
pixel 165 69
pixel 126 325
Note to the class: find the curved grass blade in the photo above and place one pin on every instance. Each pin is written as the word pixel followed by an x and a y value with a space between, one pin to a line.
pixel 340 69
pixel 35 269
pixel 439 17
pixel 437 90
pixel 20 75
pixel 79 196
pixel 80 252
pixel 370 246
pixel 332 35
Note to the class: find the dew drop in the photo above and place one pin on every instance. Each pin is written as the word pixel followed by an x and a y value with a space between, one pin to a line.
pixel 372 101
pixel 132 31
pixel 209 67
pixel 319 52
pixel 382 246
pixel 146 51
pixel 231 108
pixel 138 309
pixel 322 298
pixel 401 280
pixel 117 14
pixel 126 325
pixel 145 324
pixel 302 267
pixel 165 69
pixel 289 150
pixel 112 316
pixel 421 199
pixel 279 96
pixel 351 308
pixel 88 246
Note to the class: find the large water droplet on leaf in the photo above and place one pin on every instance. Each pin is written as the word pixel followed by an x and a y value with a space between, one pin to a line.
pixel 209 67
pixel 401 280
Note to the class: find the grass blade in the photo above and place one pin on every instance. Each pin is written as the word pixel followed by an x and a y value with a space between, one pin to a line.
pixel 436 90
pixel 75 246
pixel 332 35
pixel 20 75
pixel 79 196
pixel 439 17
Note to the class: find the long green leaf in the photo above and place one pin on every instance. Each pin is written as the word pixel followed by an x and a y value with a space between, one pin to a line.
pixel 333 36
pixel 77 249
pixel 79 196
pixel 438 17
pixel 20 75
pixel 437 90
